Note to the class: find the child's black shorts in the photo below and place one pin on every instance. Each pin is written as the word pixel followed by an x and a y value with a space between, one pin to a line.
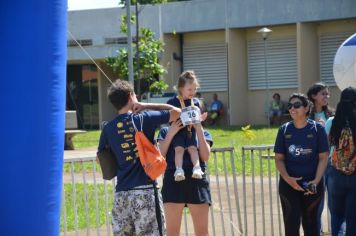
pixel 188 191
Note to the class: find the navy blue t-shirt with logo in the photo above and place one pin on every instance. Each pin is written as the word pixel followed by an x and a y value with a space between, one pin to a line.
pixel 187 163
pixel 119 135
pixel 301 148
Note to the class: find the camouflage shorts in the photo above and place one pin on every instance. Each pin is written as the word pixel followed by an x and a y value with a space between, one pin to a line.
pixel 134 213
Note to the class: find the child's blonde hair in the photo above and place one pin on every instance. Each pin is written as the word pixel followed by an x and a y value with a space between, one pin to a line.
pixel 187 76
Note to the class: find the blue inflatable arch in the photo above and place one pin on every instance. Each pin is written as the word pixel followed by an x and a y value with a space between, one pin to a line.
pixel 32 104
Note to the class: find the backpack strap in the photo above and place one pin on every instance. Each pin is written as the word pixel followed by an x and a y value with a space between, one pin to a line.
pixel 315 126
pixel 141 122
pixel 285 128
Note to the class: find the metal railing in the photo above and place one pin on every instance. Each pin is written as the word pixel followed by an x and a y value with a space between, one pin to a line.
pixel 244 194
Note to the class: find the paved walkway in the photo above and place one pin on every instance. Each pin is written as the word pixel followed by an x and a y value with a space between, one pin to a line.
pixel 79 153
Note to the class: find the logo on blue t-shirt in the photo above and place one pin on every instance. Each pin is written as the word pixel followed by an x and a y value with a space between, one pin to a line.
pixel 297 151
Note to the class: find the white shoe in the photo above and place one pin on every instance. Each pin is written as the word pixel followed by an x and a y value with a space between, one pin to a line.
pixel 197 173
pixel 179 175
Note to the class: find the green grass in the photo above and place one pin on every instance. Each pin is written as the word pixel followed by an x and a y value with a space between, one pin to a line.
pixel 80 206
pixel 86 140
pixel 78 167
pixel 231 136
pixel 223 137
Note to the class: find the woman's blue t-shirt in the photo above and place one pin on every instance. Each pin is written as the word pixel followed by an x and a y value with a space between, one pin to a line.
pixel 301 148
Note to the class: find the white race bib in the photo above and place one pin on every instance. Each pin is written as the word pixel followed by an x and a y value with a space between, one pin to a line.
pixel 190 115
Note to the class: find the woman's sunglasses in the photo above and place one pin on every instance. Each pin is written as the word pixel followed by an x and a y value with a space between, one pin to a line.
pixel 296 105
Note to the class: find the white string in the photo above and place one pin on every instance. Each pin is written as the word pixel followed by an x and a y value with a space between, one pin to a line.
pixel 85 51
pixel 216 208
pixel 141 122
pixel 133 123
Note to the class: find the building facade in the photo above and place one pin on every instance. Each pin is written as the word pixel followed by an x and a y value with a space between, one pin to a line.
pixel 218 39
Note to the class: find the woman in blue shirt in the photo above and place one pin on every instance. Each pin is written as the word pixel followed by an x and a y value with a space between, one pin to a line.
pixel 301 152
pixel 193 193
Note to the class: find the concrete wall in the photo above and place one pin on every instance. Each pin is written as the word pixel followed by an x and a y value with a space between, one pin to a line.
pixel 171 45
pixel 191 16
pixel 230 21
pixel 204 37
pixel 307 56
pixel 258 100
pixel 106 111
pixel 334 27
pixel 238 86
pixel 99 24
pixel 209 37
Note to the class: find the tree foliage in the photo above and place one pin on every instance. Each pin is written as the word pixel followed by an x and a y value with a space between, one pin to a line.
pixel 148 56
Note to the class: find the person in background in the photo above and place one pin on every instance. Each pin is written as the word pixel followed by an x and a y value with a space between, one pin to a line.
pixel 319 95
pixel 276 109
pixel 342 186
pixel 341 232
pixel 215 110
pixel 301 152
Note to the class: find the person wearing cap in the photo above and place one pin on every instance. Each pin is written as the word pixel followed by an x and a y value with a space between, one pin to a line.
pixel 342 187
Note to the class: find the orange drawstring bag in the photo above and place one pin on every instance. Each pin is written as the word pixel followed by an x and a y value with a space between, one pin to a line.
pixel 152 161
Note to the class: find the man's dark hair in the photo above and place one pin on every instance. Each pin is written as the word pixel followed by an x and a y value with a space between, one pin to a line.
pixel 119 93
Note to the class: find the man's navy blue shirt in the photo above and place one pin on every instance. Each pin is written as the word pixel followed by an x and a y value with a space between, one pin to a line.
pixel 119 135
pixel 301 148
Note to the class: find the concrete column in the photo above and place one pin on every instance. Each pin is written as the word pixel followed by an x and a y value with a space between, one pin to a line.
pixel 170 62
pixel 307 55
pixel 237 69
pixel 106 110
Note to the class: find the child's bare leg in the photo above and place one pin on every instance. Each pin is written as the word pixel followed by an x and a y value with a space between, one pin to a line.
pixel 194 156
pixel 178 160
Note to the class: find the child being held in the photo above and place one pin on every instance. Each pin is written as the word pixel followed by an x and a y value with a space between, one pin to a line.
pixel 186 138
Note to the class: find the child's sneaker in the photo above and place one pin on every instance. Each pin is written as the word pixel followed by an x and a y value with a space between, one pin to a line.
pixel 197 173
pixel 179 175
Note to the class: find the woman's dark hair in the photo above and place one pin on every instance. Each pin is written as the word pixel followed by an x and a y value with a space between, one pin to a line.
pixel 314 90
pixel 302 98
pixel 345 113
